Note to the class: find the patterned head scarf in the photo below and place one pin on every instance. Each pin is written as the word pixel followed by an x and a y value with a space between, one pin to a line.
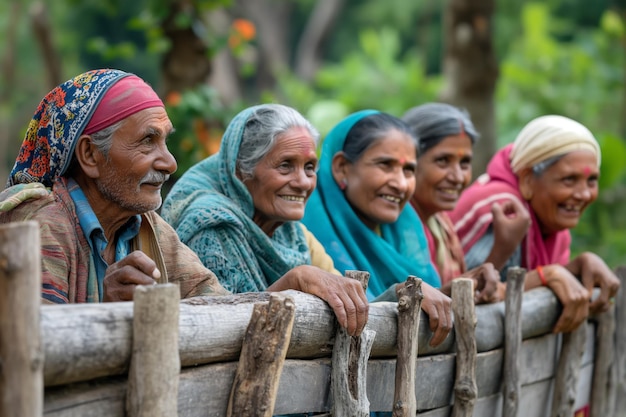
pixel 85 104
pixel 548 136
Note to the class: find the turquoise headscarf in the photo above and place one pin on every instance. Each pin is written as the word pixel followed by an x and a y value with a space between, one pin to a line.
pixel 211 210
pixel 401 248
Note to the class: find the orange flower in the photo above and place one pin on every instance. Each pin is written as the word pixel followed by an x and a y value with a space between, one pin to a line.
pixel 173 98
pixel 244 28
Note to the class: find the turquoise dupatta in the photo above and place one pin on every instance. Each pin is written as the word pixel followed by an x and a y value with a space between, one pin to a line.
pixel 400 250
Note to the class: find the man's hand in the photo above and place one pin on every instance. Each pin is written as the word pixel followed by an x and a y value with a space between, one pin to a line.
pixel 344 295
pixel 438 307
pixel 122 277
pixel 593 272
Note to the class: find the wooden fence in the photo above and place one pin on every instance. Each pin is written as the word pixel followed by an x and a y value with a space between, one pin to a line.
pixel 263 354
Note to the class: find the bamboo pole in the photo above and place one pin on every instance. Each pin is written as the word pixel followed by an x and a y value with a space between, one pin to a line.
pixel 567 372
pixel 603 386
pixel 262 358
pixel 465 389
pixel 155 362
pixel 409 306
pixel 511 389
pixel 21 353
pixel 349 366
pixel 620 341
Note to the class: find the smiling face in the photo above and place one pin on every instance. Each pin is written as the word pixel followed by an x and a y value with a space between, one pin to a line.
pixel 443 171
pixel 563 191
pixel 382 180
pixel 138 162
pixel 284 179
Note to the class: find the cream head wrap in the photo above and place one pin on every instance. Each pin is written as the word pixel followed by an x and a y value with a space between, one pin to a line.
pixel 548 136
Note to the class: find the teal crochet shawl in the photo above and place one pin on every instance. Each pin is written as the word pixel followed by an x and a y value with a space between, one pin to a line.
pixel 401 248
pixel 211 210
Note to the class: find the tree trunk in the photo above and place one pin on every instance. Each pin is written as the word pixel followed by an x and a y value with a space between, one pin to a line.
pixel 320 24
pixel 187 63
pixel 470 69
pixel 272 19
pixel 42 32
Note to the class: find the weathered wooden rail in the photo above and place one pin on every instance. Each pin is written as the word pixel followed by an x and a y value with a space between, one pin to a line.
pixel 88 351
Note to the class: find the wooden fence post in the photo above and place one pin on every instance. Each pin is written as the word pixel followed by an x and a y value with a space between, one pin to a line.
pixel 620 341
pixel 21 352
pixel 349 367
pixel 603 383
pixel 155 361
pixel 567 372
pixel 409 307
pixel 511 387
pixel 262 358
pixel 465 389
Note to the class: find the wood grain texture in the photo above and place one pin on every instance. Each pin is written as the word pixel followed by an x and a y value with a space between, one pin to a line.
pixel 21 353
pixel 511 387
pixel 154 364
pixel 262 358
pixel 410 298
pixel 465 389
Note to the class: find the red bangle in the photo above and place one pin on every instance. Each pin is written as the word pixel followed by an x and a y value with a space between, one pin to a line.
pixel 542 277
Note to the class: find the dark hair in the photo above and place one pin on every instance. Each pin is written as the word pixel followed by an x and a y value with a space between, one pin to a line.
pixel 432 122
pixel 369 130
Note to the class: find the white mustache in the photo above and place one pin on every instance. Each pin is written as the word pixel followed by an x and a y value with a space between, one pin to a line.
pixel 155 177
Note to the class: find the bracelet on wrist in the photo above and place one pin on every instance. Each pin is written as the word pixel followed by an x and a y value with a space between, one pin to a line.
pixel 542 277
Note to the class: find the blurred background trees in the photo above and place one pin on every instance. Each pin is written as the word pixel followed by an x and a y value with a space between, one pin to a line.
pixel 506 62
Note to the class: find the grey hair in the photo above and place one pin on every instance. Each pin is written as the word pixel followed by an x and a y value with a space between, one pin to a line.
pixel 541 167
pixel 266 123
pixel 432 122
pixel 103 139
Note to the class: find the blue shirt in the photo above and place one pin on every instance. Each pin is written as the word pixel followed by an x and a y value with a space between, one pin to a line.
pixel 94 233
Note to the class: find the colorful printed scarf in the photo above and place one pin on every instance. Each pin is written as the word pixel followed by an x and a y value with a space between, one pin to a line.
pixel 390 257
pixel 446 252
pixel 211 210
pixel 58 122
pixel 472 215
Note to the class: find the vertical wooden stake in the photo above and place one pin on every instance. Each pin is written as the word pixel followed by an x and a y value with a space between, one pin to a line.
pixel 465 389
pixel 603 385
pixel 21 354
pixel 620 342
pixel 262 358
pixel 511 387
pixel 410 298
pixel 567 371
pixel 349 367
pixel 155 361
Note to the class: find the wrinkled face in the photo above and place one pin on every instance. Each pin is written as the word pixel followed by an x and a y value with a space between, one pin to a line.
pixel 443 171
pixel 383 179
pixel 138 162
pixel 563 191
pixel 284 179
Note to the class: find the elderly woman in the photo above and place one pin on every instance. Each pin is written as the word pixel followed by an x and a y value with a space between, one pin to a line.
pixel 366 177
pixel 239 211
pixel 552 169
pixel 446 136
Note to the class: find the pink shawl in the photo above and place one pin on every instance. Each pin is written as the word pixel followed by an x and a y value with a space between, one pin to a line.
pixel 472 215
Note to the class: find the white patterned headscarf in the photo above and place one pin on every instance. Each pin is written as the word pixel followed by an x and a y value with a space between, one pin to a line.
pixel 548 136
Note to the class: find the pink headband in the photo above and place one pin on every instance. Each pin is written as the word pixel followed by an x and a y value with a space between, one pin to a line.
pixel 124 98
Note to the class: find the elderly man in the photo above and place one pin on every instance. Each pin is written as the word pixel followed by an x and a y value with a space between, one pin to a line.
pixel 90 171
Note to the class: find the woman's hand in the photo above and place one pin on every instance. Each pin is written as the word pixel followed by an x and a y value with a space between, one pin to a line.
pixel 572 295
pixel 593 272
pixel 438 307
pixel 486 283
pixel 344 295
pixel 510 224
